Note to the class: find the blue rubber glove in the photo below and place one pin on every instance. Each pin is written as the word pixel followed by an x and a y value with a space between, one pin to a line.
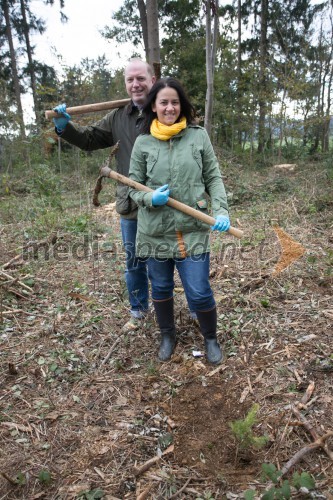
pixel 160 196
pixel 222 223
pixel 61 122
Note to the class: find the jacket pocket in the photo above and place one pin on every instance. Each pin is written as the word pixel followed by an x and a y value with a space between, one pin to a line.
pixel 197 156
pixel 202 205
pixel 124 203
pixel 151 221
pixel 188 223
pixel 151 162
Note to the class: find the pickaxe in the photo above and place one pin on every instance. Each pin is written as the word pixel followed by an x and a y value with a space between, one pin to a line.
pixel 291 250
pixel 89 108
pixel 106 171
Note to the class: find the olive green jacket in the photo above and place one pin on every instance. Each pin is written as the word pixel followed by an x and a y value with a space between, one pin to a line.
pixel 121 124
pixel 187 163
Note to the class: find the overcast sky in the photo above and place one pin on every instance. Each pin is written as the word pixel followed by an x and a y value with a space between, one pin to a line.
pixel 79 37
pixel 67 44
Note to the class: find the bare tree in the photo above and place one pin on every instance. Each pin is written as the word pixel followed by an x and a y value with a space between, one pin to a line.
pixel 239 71
pixel 31 71
pixel 150 33
pixel 212 7
pixel 144 27
pixel 262 76
pixel 13 62
pixel 154 55
pixel 327 117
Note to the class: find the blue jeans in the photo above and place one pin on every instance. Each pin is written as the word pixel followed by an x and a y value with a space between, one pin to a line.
pixel 136 270
pixel 194 274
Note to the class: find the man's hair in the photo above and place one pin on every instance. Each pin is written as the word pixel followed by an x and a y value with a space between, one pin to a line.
pixel 150 69
pixel 186 108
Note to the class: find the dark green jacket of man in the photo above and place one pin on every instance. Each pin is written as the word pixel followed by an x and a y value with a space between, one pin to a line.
pixel 121 124
pixel 187 163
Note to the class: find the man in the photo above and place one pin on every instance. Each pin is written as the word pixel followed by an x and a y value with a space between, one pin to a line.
pixel 123 124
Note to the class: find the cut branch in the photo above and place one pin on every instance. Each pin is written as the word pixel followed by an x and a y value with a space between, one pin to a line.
pixel 319 441
pixel 152 461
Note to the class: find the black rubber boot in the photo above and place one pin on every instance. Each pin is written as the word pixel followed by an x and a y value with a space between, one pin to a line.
pixel 166 322
pixel 208 326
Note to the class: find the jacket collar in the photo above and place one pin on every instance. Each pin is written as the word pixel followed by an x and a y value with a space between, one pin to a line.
pixel 131 108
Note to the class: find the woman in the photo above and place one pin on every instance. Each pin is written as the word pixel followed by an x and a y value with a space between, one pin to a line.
pixel 174 155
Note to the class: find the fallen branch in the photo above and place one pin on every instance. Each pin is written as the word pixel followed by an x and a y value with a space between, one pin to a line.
pixel 107 357
pixel 307 395
pixel 144 494
pixel 9 479
pixel 17 259
pixel 311 430
pixel 140 470
pixel 8 313
pixel 137 471
pixel 319 441
pixel 217 370
pixel 34 245
pixel 12 280
pixel 175 495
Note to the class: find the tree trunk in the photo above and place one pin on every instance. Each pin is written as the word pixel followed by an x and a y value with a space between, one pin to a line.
pixel 326 138
pixel 327 118
pixel 281 123
pixel 154 56
pixel 239 72
pixel 211 47
pixel 262 76
pixel 319 117
pixel 14 68
pixel 143 19
pixel 31 64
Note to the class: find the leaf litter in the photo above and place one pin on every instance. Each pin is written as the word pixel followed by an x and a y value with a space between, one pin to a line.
pixel 88 412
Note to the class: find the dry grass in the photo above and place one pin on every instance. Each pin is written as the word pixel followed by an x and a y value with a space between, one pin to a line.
pixel 89 405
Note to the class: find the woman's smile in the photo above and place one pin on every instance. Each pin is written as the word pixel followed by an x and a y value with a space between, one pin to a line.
pixel 167 106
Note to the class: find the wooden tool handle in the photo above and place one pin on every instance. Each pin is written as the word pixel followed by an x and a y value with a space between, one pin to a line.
pixel 178 205
pixel 89 108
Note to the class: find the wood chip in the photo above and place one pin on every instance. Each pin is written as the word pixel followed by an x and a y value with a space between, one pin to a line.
pixel 220 368
pixel 244 394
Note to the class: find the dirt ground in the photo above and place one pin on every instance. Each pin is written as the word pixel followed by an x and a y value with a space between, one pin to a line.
pixel 86 410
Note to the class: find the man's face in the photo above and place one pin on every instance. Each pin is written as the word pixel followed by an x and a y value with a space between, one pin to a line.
pixel 138 82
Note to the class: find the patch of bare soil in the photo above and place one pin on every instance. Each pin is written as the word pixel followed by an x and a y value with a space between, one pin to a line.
pixel 86 411
pixel 204 441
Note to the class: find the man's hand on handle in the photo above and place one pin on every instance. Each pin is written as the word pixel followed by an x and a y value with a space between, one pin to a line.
pixel 61 121
pixel 222 223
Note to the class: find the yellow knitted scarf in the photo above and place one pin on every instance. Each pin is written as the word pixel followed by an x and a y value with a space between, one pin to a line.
pixel 165 132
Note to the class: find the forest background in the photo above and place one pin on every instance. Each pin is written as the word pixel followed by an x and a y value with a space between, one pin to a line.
pixel 271 64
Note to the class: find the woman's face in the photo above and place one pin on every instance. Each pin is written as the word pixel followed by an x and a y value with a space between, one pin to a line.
pixel 167 106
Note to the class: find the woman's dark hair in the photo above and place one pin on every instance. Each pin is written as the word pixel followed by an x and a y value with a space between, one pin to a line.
pixel 186 108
